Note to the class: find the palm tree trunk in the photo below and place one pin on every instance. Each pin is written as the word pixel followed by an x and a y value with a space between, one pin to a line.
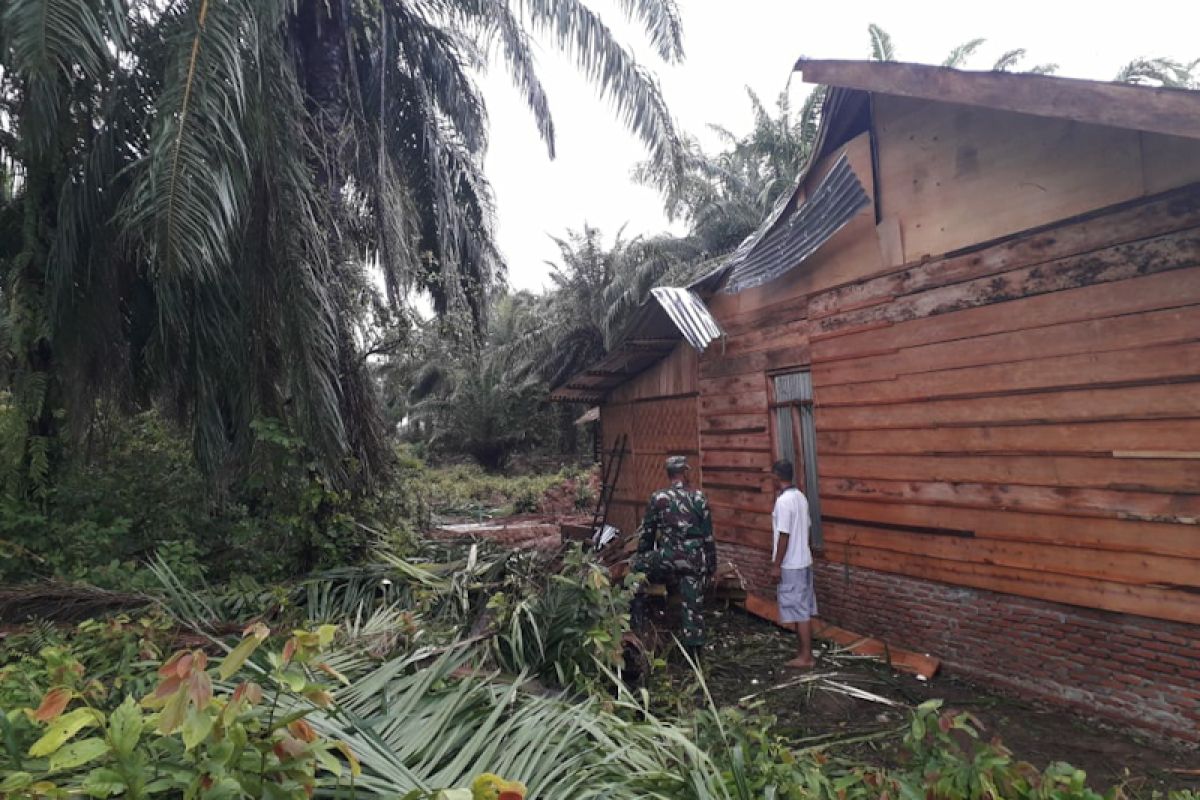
pixel 321 35
pixel 36 382
pixel 320 32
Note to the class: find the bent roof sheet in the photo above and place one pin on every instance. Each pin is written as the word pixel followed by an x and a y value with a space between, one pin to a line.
pixel 834 203
pixel 839 111
pixel 689 314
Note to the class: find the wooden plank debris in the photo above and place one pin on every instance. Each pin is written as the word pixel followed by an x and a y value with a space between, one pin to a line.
pixel 921 664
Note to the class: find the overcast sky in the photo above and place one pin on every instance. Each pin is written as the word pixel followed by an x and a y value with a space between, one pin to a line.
pixel 732 44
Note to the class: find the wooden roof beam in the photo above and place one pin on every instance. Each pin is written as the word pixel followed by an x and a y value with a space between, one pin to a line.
pixel 1119 105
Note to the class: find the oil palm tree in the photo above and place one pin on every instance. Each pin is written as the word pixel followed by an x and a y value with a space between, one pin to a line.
pixel 575 316
pixel 190 194
pixel 725 196
pixel 482 399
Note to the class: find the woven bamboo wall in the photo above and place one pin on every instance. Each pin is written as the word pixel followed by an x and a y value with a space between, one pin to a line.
pixel 656 428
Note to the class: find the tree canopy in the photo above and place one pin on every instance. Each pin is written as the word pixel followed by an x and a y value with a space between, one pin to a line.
pixel 195 196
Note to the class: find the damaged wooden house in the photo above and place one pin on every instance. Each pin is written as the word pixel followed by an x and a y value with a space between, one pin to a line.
pixel 976 325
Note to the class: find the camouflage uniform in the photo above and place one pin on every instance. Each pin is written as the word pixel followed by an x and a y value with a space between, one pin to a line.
pixel 680 522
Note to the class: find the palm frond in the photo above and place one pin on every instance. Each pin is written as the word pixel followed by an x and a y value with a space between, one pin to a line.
pixel 1008 60
pixel 629 87
pixel 881 44
pixel 663 24
pixel 959 55
pixel 191 187
pixel 51 42
pixel 426 729
pixel 440 58
pixel 517 49
pixel 1165 72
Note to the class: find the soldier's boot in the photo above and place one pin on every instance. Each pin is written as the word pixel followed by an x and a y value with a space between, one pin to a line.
pixel 638 611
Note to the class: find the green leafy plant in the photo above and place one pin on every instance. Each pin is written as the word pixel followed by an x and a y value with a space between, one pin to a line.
pixel 564 626
pixel 202 732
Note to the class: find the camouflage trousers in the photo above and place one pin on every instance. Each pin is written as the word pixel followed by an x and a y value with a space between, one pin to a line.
pixel 680 577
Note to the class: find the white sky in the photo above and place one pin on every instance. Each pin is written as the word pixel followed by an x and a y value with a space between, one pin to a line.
pixel 732 44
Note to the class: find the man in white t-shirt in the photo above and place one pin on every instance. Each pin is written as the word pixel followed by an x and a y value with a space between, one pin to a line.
pixel 791 561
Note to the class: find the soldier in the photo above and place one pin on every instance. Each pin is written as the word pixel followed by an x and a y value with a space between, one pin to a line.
pixel 679 521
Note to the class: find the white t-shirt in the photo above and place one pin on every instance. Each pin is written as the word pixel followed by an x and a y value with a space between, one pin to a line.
pixel 791 517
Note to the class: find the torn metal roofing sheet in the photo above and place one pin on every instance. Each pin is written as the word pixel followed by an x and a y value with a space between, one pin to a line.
pixel 689 314
pixel 844 113
pixel 834 203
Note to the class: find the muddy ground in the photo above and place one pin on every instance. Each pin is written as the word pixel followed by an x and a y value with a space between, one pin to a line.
pixel 745 655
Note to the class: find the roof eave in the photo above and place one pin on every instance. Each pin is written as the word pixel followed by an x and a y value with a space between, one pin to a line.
pixel 1171 111
pixel 689 320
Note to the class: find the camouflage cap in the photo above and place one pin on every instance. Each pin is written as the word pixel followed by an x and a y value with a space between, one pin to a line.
pixel 677 464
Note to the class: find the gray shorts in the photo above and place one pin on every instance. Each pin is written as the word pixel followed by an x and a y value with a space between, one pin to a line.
pixel 797 600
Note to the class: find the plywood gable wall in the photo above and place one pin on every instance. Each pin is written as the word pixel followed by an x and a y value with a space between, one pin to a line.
pixel 955 176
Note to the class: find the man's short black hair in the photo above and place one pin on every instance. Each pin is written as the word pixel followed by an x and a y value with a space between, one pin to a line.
pixel 783 470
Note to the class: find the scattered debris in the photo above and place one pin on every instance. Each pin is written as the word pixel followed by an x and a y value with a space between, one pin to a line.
pixel 860 694
pixel 922 665
pixel 535 532
pixel 786 685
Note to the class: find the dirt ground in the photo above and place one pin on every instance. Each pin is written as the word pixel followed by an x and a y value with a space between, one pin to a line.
pixel 744 658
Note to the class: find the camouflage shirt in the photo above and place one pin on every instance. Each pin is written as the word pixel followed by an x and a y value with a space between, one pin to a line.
pixel 679 520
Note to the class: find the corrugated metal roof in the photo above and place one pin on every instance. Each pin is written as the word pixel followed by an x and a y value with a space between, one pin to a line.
pixel 834 203
pixel 689 314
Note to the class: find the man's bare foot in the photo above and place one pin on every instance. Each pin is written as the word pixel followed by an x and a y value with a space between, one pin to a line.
pixel 801 663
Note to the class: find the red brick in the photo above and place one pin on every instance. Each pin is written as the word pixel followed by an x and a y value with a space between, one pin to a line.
pixel 1175 661
pixel 1163 636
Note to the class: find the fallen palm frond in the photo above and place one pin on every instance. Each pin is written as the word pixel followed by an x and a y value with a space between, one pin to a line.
pixel 439 589
pixel 63 602
pixel 424 729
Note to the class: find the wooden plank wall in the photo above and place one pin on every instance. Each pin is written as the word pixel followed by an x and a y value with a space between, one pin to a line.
pixel 657 410
pixel 1024 418
pixel 735 427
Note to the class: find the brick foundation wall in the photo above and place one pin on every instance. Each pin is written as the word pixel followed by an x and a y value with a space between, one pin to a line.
pixel 1128 669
